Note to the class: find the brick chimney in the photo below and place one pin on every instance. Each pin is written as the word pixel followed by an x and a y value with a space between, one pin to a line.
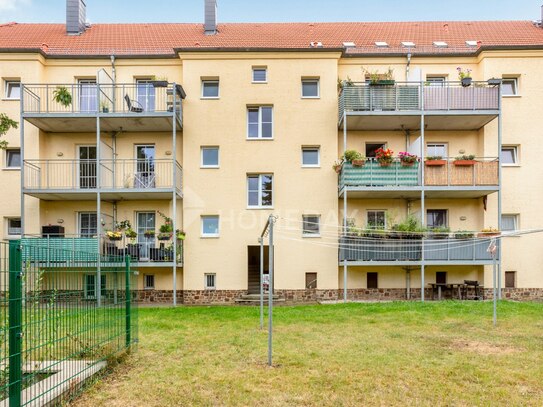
pixel 76 16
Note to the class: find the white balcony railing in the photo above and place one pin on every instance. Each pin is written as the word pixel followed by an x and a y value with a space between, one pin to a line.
pixel 119 174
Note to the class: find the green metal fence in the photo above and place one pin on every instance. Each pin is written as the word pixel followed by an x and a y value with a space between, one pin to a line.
pixel 61 325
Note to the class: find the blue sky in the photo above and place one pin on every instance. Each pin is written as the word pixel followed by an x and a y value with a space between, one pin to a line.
pixel 106 11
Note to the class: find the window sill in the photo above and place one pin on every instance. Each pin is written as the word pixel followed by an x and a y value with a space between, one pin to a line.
pixel 311 97
pixel 209 167
pixel 210 98
pixel 259 82
pixel 511 165
pixel 511 96
pixel 11 99
pixel 209 236
pixel 260 208
pixel 148 288
pixel 311 236
pixel 311 166
pixel 11 169
pixel 210 289
pixel 259 138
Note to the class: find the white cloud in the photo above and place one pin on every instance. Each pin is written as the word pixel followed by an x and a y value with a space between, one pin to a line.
pixel 12 4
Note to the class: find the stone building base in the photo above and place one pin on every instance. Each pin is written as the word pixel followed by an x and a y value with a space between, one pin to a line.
pixel 228 297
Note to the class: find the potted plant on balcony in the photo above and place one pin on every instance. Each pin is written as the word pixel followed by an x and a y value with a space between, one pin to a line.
pixel 435 160
pixel 465 160
pixel 344 83
pixel 489 232
pixel 384 157
pixel 180 235
pixel 337 165
pixel 407 159
pixel 464 75
pixel 376 78
pixel 62 95
pixel 149 234
pixel 439 232
pixel 114 235
pixel 131 234
pixel 355 158
pixel 166 229
pixel 104 106
pixel 464 234
pixel 160 82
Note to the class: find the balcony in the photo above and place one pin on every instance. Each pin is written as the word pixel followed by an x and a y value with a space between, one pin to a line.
pixel 449 106
pixel 128 179
pixel 443 179
pixel 75 250
pixel 132 107
pixel 390 251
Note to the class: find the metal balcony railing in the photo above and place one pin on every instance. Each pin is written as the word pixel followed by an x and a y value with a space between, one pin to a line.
pixel 447 171
pixel 72 249
pixel 354 248
pixel 416 96
pixel 116 174
pixel 91 98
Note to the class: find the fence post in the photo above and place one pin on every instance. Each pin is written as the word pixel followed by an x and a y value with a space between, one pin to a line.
pixel 127 294
pixel 15 323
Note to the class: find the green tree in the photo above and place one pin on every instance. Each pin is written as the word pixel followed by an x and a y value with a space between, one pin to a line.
pixel 5 124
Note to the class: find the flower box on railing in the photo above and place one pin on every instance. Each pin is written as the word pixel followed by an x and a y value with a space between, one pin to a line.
pixel 435 163
pixel 465 163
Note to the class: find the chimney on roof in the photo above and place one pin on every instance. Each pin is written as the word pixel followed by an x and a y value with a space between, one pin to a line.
pixel 76 15
pixel 210 18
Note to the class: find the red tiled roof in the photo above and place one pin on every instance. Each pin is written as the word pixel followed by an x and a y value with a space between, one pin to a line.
pixel 164 39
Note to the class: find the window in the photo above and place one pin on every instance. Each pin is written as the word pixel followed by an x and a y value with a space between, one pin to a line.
pixel 509 222
pixel 145 94
pixel 209 281
pixel 376 220
pixel 90 286
pixel 260 191
pixel 88 96
pixel 311 225
pixel 13 90
pixel 441 277
pixel 210 89
pixel 149 281
pixel 509 155
pixel 311 157
pixel 509 86
pixel 310 281
pixel 260 122
pixel 310 88
pixel 88 224
pixel 510 279
pixel 260 75
pixel 13 158
pixel 210 226
pixel 372 147
pixel 436 218
pixel 210 157
pixel 14 227
pixel 436 80
pixel 436 150
pixel 371 280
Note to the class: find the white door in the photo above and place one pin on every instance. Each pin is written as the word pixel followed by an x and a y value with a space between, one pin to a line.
pixel 87 167
pixel 146 221
pixel 145 167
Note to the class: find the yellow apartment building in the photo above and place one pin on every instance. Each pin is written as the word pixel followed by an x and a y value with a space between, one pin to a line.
pixel 172 144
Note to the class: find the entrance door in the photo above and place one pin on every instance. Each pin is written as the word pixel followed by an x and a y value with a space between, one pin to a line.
pixel 145 222
pixel 145 94
pixel 145 166
pixel 253 268
pixel 88 97
pixel 87 167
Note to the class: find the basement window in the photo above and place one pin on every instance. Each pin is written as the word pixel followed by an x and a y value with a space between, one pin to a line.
pixel 510 279
pixel 210 281
pixel 149 281
pixel 310 281
pixel 372 280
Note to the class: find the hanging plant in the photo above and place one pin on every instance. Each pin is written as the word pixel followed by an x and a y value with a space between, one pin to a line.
pixel 62 95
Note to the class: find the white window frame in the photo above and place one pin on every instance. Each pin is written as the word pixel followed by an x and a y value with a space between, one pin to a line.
pixel 445 146
pixel 260 189
pixel 145 285
pixel 6 159
pixel 515 156
pixel 376 210
pixel 202 229
pixel 202 164
pixel 515 86
pixel 307 148
pixel 436 80
pixel 79 222
pixel 260 137
pixel 259 68
pixel 317 80
pixel 12 235
pixel 213 276
pixel 311 234
pixel 204 81
pixel 516 219
pixel 7 84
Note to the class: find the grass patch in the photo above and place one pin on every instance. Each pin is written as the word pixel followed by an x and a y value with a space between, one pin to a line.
pixel 445 353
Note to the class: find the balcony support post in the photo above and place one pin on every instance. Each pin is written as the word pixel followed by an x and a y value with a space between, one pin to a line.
pixel 98 283
pixel 499 244
pixel 422 195
pixel 22 145
pixel 174 196
pixel 345 267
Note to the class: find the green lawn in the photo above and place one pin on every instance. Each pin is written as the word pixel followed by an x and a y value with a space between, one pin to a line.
pixel 445 353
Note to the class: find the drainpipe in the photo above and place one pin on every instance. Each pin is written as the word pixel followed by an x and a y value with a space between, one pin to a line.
pixel 408 65
pixel 114 77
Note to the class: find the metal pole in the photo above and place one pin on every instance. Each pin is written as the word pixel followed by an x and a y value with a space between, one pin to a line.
pixel 128 310
pixel 98 284
pixel 422 193
pixel 174 187
pixel 270 293
pixel 261 240
pixel 15 323
pixel 498 248
pixel 345 267
pixel 495 313
pixel 22 145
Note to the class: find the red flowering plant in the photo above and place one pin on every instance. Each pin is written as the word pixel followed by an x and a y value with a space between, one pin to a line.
pixel 407 158
pixel 166 229
pixel 384 156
